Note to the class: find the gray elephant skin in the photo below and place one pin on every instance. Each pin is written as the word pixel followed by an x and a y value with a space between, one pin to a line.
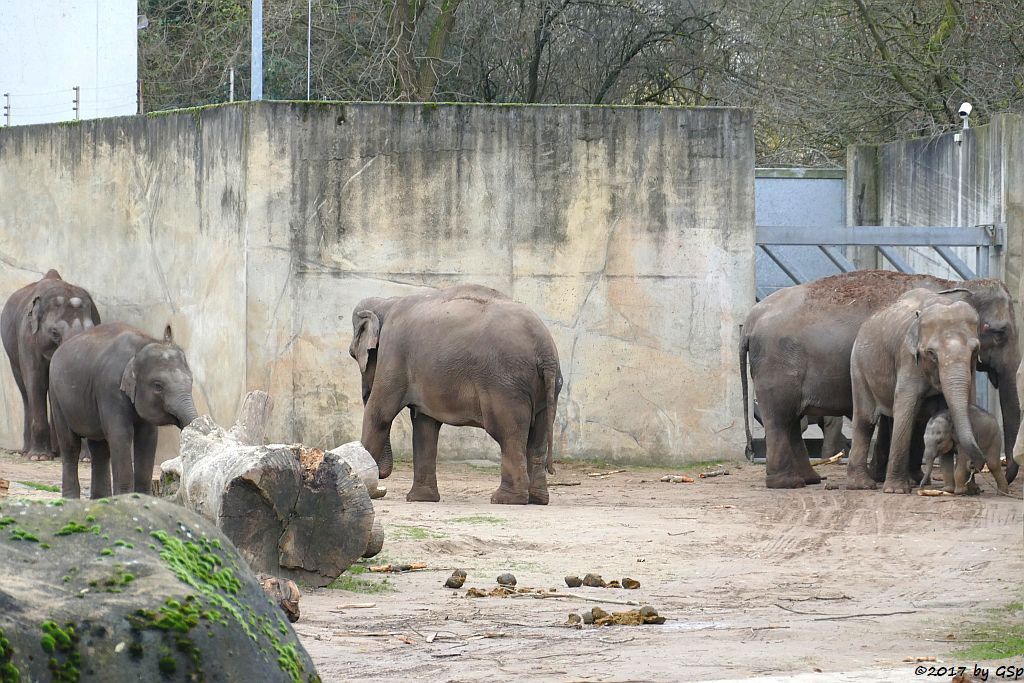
pixel 36 320
pixel 799 341
pixel 463 356
pixel 114 385
pixel 924 345
pixel 940 441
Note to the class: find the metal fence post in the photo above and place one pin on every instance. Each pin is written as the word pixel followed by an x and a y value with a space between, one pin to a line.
pixel 7 108
pixel 77 101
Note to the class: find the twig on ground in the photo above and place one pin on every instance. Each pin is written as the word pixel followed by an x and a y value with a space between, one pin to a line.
pixel 829 461
pixel 355 605
pixel 681 533
pixel 573 596
pixel 864 614
pixel 563 483
pixel 818 597
pixel 604 474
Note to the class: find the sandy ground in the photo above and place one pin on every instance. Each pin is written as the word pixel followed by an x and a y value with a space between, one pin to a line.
pixel 806 585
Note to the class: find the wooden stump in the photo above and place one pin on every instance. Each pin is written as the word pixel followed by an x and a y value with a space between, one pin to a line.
pixel 293 512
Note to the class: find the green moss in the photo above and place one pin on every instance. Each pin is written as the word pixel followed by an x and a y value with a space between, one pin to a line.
pixel 57 503
pixel 6 521
pixel 74 527
pixel 40 487
pixel 167 665
pixel 401 532
pixel 106 551
pixel 139 529
pixel 1003 632
pixel 113 583
pixel 123 544
pixel 19 534
pixel 45 546
pixel 480 519
pixel 90 518
pixel 62 644
pixel 8 672
pixel 135 650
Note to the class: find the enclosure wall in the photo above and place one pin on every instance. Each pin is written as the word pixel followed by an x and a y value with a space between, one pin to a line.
pixel 255 228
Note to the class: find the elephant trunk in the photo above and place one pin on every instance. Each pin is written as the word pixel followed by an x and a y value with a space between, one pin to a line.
pixel 956 387
pixel 386 462
pixel 184 410
pixel 1009 405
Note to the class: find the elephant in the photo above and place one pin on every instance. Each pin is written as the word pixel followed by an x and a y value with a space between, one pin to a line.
pixel 833 440
pixel 113 386
pixel 799 340
pixel 924 345
pixel 940 440
pixel 465 356
pixel 1018 447
pixel 36 320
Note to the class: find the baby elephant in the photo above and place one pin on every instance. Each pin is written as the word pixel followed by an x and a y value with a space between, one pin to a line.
pixel 113 385
pixel 940 440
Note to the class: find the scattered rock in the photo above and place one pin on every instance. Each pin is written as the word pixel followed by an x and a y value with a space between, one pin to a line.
pixel 456 580
pixel 594 581
pixel 573 581
pixel 282 592
pixel 506 579
pixel 648 612
pixel 831 486
pixel 631 584
pixel 575 619
pixel 598 613
pixel 588 618
pixel 613 584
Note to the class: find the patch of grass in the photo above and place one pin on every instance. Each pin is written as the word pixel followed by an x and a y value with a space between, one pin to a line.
pixel 40 487
pixel 403 532
pixel 1004 628
pixel 480 519
pixel 702 465
pixel 356 584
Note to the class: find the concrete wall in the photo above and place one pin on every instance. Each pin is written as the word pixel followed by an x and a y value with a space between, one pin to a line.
pixel 629 231
pixel 916 182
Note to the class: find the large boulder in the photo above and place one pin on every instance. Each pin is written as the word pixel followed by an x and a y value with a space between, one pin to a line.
pixel 134 589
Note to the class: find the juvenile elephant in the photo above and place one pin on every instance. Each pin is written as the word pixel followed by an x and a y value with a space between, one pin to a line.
pixel 35 321
pixel 464 356
pixel 114 385
pixel 799 340
pixel 940 440
pixel 923 345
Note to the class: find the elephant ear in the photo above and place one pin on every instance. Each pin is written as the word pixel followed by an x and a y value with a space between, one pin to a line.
pixel 366 337
pixel 914 337
pixel 128 380
pixel 35 314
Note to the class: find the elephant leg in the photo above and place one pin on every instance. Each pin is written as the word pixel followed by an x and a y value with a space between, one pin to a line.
pixel 947 473
pixel 69 443
pixel 425 430
pixel 85 456
pixel 857 474
pixel 916 458
pixel 996 467
pixel 834 441
pixel 962 475
pixel 880 449
pixel 36 380
pixel 897 475
pixel 100 469
pixel 26 432
pixel 780 472
pixel 120 443
pixel 510 428
pixel 536 455
pixel 144 446
pixel 801 460
pixel 381 410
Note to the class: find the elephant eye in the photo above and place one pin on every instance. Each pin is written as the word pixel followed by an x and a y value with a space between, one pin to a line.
pixel 157 385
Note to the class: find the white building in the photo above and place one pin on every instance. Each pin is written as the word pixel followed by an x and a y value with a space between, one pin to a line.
pixel 50 47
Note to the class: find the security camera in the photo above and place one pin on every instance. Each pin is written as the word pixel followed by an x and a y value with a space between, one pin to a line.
pixel 965 110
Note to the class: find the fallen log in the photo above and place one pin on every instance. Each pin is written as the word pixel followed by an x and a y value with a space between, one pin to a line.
pixel 293 512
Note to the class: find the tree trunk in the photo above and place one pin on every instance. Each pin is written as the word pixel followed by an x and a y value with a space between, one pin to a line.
pixel 293 512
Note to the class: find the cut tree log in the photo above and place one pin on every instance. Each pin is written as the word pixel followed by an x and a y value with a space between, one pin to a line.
pixel 293 512
pixel 376 542
pixel 362 463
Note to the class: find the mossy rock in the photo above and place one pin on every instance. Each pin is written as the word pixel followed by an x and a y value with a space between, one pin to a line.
pixel 142 590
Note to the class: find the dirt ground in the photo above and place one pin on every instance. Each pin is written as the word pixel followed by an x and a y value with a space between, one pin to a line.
pixel 805 585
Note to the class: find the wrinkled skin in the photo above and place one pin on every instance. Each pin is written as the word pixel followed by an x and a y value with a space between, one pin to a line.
pixel 940 441
pixel 799 341
pixel 1018 448
pixel 35 321
pixel 931 340
pixel 114 385
pixel 464 356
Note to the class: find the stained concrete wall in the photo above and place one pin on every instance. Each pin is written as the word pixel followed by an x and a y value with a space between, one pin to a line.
pixel 256 228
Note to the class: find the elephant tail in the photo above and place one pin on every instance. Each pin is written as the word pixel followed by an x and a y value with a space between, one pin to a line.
pixel 744 348
pixel 552 384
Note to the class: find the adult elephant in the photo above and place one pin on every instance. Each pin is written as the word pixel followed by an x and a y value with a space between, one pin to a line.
pixel 924 345
pixel 799 340
pixel 113 386
pixel 464 356
pixel 36 320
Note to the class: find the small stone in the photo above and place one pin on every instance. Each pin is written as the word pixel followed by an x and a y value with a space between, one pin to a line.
pixel 506 580
pixel 631 584
pixel 613 584
pixel 598 613
pixel 594 581
pixel 575 619
pixel 456 580
pixel 588 618
pixel 119 647
pixel 379 492
pixel 650 615
pixel 573 581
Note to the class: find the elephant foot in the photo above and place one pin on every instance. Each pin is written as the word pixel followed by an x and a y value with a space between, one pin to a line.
pixel 40 456
pixel 423 494
pixel 507 497
pixel 538 497
pixel 860 481
pixel 896 486
pixel 784 481
pixel 811 480
pixel 916 475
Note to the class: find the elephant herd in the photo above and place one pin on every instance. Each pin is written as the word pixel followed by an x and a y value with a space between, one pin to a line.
pixel 897 354
pixel 466 355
